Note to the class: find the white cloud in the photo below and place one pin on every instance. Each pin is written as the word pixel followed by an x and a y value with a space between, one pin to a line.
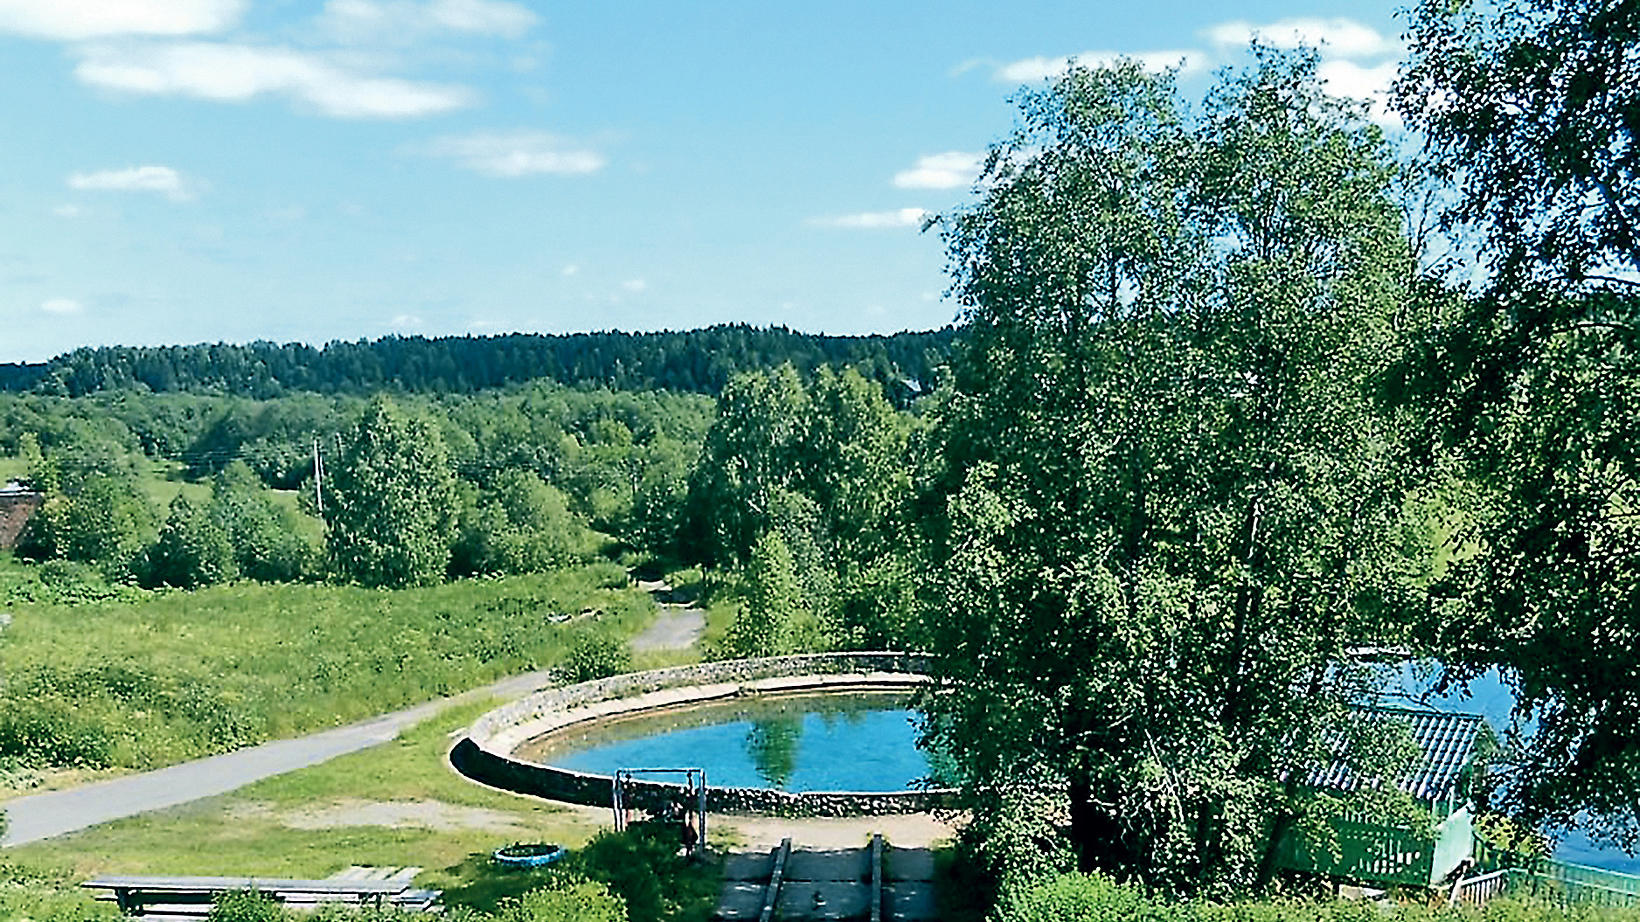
pixel 872 220
pixel 1338 37
pixel 1371 85
pixel 67 211
pixel 61 306
pixel 1027 70
pixel 940 171
pixel 149 178
pixel 516 154
pixel 353 20
pixel 634 285
pixel 238 73
pixel 76 20
pixel 404 322
pixel 569 270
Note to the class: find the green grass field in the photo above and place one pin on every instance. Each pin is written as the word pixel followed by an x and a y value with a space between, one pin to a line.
pixel 395 805
pixel 176 675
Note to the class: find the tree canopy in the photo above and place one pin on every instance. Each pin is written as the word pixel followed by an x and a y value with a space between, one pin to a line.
pixel 1172 506
pixel 391 501
pixel 1530 376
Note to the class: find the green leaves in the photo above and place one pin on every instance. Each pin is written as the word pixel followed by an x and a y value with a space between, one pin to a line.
pixel 391 502
pixel 1169 496
pixel 1531 377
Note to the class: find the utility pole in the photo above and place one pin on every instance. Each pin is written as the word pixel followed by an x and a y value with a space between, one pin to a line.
pixel 318 477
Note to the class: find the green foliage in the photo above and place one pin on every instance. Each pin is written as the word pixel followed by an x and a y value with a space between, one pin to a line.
pixel 246 906
pixel 699 361
pixel 28 893
pixel 181 675
pixel 1531 378
pixel 594 654
pixel 271 543
pixel 520 525
pixel 823 467
pixel 1094 898
pixel 772 606
pixel 1164 505
pixel 392 501
pixel 193 549
pixel 642 866
pixel 98 519
pixel 567 899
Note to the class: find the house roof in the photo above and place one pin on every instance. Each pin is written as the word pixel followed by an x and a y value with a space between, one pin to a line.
pixel 1446 743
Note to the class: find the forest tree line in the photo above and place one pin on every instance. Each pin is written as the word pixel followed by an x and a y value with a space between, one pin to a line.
pixel 693 361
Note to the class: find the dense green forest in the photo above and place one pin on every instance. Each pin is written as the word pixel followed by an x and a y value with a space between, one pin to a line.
pixel 1220 425
pixel 696 361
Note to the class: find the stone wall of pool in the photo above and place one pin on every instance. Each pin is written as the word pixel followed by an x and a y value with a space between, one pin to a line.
pixel 485 754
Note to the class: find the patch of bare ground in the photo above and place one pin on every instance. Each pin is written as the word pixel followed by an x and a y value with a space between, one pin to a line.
pixel 426 814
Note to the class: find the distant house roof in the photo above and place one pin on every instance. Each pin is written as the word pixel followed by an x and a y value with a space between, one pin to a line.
pixel 14 486
pixel 1445 741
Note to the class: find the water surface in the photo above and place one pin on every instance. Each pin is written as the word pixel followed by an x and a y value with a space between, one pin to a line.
pixel 817 742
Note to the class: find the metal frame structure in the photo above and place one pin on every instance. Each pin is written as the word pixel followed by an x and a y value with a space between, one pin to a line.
pixel 694 785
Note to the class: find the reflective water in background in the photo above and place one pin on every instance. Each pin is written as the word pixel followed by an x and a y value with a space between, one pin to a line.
pixel 1489 697
pixel 827 742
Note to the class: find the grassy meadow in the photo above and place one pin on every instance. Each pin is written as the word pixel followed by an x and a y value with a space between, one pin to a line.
pixel 139 683
pixel 398 804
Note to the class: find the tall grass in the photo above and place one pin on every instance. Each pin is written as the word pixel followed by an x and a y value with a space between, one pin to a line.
pixel 177 675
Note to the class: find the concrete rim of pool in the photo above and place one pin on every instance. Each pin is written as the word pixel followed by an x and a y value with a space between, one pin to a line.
pixel 487 753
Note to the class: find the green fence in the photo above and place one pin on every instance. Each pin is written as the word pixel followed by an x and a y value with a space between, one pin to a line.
pixel 1366 852
pixel 1560 881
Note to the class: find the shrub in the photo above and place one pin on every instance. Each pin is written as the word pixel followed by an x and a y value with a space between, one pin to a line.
pixel 594 655
pixel 246 906
pixel 569 898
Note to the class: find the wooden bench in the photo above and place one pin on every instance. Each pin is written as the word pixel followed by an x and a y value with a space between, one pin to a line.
pixel 191 897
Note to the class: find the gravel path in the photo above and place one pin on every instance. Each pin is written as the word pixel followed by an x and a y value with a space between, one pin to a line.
pixel 42 816
pixel 678 626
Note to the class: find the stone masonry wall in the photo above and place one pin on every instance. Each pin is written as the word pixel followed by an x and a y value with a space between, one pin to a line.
pixel 485 754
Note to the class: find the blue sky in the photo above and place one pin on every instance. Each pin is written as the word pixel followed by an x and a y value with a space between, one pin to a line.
pixel 229 170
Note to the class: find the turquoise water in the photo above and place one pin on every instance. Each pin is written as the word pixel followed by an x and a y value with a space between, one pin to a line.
pixel 831 742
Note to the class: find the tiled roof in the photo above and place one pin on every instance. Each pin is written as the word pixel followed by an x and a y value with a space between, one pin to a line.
pixel 1446 742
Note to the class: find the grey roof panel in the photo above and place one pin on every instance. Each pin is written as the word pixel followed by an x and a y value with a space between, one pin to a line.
pixel 1446 743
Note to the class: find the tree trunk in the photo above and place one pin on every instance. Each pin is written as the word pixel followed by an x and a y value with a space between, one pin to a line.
pixel 1095 834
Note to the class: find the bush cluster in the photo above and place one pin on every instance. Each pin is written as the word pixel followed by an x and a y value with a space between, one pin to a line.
pixel 1093 898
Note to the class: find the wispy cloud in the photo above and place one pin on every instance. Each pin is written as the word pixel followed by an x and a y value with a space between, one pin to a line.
pixel 404 322
pixel 238 73
pixel 77 20
pixel 67 211
pixel 940 171
pixel 873 220
pixel 62 306
pixel 162 179
pixel 1337 37
pixel 569 270
pixel 1371 85
pixel 1028 70
pixel 634 285
pixel 517 154
pixel 403 20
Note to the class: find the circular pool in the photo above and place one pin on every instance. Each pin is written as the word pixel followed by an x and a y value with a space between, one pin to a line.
pixel 813 735
pixel 832 741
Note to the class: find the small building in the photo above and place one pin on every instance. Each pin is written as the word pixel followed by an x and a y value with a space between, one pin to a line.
pixel 1375 851
pixel 18 503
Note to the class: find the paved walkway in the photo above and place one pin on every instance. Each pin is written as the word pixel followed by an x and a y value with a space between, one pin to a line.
pixel 679 625
pixel 42 816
